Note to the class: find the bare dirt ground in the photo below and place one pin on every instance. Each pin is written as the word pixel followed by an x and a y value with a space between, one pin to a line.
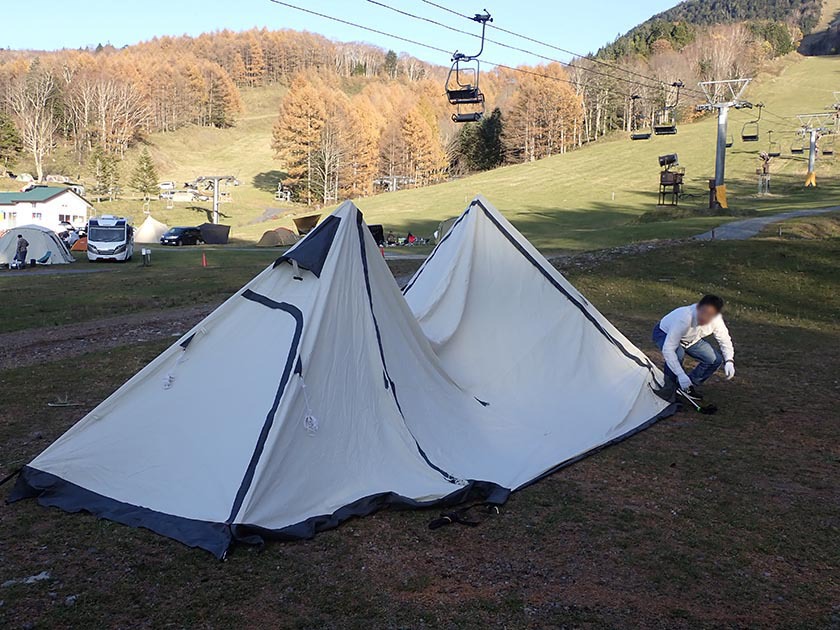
pixel 33 347
pixel 36 346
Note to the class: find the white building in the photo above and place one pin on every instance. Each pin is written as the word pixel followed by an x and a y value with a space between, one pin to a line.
pixel 48 206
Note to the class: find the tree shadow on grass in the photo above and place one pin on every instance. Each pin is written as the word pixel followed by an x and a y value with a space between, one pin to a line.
pixel 268 180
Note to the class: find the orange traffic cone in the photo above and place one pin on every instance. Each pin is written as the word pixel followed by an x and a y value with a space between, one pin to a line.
pixel 203 259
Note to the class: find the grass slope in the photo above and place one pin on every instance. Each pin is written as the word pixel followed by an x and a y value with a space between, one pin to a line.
pixel 698 522
pixel 586 199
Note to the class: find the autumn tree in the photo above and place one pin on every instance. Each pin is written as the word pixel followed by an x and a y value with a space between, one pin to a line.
pixel 362 142
pixel 254 63
pixel 32 99
pixel 543 114
pixel 144 178
pixel 425 159
pixel 296 137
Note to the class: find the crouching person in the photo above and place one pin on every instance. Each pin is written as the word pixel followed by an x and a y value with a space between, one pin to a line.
pixel 683 331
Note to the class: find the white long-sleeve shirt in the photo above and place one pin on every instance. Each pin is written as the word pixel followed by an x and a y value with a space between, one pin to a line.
pixel 681 329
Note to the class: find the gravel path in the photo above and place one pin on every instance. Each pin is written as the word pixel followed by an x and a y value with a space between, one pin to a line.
pixel 747 228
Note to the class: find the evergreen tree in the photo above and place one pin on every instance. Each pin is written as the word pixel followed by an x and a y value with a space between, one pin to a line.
pixel 11 144
pixel 106 175
pixel 391 64
pixel 480 146
pixel 144 179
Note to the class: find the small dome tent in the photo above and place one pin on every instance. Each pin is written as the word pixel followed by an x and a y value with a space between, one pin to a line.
pixel 281 237
pixel 44 246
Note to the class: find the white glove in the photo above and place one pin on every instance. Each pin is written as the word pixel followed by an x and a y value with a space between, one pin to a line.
pixel 729 370
pixel 685 382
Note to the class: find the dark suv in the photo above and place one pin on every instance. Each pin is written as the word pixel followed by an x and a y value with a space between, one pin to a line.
pixel 182 236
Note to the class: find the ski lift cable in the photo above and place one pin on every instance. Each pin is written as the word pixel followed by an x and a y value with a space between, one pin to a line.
pixel 427 46
pixel 558 48
pixel 567 64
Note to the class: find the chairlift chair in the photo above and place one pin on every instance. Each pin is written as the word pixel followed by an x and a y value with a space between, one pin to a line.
pixel 463 91
pixel 750 132
pixel 798 146
pixel 827 148
pixel 462 83
pixel 639 132
pixel 666 123
pixel 774 149
pixel 730 140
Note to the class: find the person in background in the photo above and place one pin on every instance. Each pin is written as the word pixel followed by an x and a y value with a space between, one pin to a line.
pixel 391 238
pixel 72 238
pixel 683 331
pixel 22 249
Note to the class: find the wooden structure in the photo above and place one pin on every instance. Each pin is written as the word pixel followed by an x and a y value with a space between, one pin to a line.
pixel 670 185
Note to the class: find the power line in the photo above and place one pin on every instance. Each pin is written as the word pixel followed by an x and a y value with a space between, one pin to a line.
pixel 516 48
pixel 424 45
pixel 558 48
pixel 365 28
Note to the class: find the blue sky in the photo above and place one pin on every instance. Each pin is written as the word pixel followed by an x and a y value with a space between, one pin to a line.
pixel 580 26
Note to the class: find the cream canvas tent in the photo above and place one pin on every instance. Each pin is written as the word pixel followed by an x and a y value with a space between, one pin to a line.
pixel 44 246
pixel 150 231
pixel 330 402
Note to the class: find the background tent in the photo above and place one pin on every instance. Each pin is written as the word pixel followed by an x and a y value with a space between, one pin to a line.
pixel 150 231
pixel 281 237
pixel 80 245
pixel 215 234
pixel 330 402
pixel 306 224
pixel 42 241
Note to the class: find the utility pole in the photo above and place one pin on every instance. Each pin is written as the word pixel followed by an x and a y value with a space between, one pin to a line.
pixel 814 126
pixel 721 96
pixel 215 180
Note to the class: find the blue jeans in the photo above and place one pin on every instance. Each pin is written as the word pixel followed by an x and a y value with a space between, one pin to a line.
pixel 709 359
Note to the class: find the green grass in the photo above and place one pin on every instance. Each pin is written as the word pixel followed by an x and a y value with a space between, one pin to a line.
pixel 587 199
pixel 32 300
pixel 699 522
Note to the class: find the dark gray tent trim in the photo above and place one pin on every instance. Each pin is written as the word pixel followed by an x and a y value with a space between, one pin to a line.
pixel 295 312
pixel 311 253
pixel 52 491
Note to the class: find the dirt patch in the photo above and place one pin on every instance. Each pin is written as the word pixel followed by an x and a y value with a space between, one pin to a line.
pixel 33 347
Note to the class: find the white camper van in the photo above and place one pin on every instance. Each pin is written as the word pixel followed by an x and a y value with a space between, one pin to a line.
pixel 110 238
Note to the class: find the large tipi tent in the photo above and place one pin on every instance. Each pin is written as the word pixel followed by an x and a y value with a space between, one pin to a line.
pixel 345 409
pixel 150 231
pixel 44 246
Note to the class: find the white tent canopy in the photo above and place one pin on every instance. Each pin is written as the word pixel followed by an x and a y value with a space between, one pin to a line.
pixel 150 231
pixel 328 400
pixel 44 246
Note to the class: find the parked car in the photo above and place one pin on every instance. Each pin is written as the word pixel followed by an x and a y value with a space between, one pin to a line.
pixel 167 186
pixel 182 236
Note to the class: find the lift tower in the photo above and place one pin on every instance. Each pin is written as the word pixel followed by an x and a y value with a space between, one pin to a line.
pixel 814 126
pixel 215 181
pixel 721 96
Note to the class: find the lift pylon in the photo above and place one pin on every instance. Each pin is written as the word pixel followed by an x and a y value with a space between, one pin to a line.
pixel 721 96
